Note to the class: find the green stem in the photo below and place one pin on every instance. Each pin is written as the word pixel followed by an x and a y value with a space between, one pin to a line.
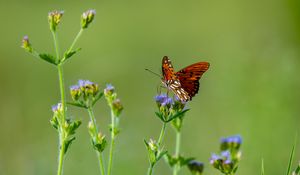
pixel 112 143
pixel 62 133
pixel 160 139
pixel 61 154
pixel 55 45
pixel 150 170
pixel 62 121
pixel 99 154
pixel 162 133
pixel 177 151
pixel 75 40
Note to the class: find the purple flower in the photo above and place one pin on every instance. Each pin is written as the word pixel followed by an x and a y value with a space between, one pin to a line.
pixel 163 100
pixel 57 108
pixel 109 90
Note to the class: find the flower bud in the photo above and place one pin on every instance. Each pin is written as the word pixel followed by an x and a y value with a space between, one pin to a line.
pixel 54 18
pixel 196 167
pixel 231 143
pixel 26 44
pixel 117 107
pixel 57 108
pixel 75 92
pixel 87 17
pixel 109 90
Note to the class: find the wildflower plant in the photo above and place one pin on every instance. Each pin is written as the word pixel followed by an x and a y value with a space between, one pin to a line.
pixel 61 121
pixel 169 111
pixel 85 94
pixel 229 157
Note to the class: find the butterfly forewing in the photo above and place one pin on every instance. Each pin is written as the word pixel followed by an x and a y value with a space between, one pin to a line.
pixel 167 69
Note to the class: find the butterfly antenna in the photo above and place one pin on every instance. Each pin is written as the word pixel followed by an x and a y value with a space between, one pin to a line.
pixel 153 73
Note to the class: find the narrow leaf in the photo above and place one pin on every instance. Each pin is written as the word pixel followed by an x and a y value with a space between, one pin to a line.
pixel 77 105
pixel 49 58
pixel 69 54
pixel 159 115
pixel 99 95
pixel 262 167
pixel 177 115
pixel 291 158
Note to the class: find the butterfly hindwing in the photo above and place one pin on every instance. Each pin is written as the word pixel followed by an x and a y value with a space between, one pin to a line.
pixel 190 75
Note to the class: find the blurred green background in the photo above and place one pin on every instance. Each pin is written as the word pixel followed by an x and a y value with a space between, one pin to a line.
pixel 252 87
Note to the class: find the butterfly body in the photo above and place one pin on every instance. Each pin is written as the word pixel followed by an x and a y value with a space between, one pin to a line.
pixel 184 83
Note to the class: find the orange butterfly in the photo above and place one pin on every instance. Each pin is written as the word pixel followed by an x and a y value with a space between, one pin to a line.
pixel 184 83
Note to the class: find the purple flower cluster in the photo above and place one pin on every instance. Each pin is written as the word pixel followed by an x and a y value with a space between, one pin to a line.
pixel 227 160
pixel 231 143
pixel 85 88
pixel 163 100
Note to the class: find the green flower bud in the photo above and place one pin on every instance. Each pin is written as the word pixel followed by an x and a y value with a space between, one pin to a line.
pixel 87 17
pixel 75 92
pixel 196 167
pixel 117 107
pixel 54 18
pixel 26 44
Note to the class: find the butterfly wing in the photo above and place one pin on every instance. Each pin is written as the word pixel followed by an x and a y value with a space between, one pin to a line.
pixel 167 69
pixel 189 77
pixel 171 80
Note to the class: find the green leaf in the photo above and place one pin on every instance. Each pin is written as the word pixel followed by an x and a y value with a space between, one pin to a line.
pixel 73 126
pixel 77 104
pixel 291 158
pixel 160 116
pixel 185 161
pixel 161 155
pixel 49 58
pixel 54 122
pixel 98 96
pixel 178 114
pixel 69 54
pixel 68 143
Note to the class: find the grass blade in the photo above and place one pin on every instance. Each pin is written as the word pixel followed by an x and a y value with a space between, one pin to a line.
pixel 262 167
pixel 291 158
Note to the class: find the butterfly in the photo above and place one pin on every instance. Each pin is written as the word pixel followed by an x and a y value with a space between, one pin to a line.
pixel 184 83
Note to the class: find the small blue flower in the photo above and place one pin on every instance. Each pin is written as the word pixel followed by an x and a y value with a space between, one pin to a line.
pixel 163 100
pixel 160 98
pixel 226 154
pixel 74 87
pixel 214 157
pixel 167 102
pixel 231 143
pixel 57 108
pixel 109 90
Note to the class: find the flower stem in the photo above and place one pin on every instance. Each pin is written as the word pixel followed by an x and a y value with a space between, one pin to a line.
pixel 150 169
pixel 112 143
pixel 99 154
pixel 162 133
pixel 160 139
pixel 75 40
pixel 62 121
pixel 177 151
pixel 62 134
pixel 55 45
